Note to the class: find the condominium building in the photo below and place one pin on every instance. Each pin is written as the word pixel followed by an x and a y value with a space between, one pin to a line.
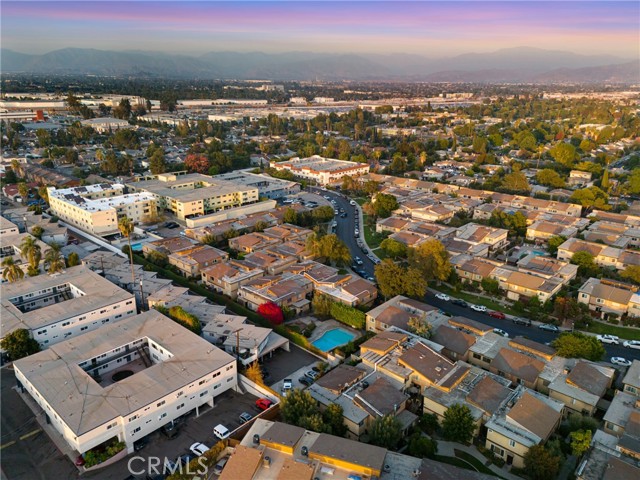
pixel 191 195
pixel 97 208
pixel 322 170
pixel 57 307
pixel 125 381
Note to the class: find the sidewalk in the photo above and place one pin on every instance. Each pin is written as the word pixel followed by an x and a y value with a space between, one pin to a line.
pixel 447 449
pixel 361 235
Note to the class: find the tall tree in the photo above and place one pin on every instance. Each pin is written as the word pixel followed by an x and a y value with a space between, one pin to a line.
pixel 11 271
pixel 541 464
pixel 578 345
pixel 386 432
pixel 384 204
pixel 157 162
pixel 54 259
pixel 458 424
pixel 30 250
pixel 126 229
pixel 19 344
pixel 431 259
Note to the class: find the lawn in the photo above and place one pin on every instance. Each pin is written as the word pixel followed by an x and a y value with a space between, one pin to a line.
pixel 481 467
pixel 477 300
pixel 622 332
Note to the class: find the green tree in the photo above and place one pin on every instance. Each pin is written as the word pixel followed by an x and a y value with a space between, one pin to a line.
pixel 516 182
pixel 390 278
pixel 19 344
pixel 329 247
pixel 540 464
pixel 30 250
pixel 297 406
pixel 633 182
pixel 550 178
pixel 73 259
pixel 567 308
pixel 321 305
pixel 393 248
pixel 580 442
pixel 564 153
pixel 585 262
pixel 525 140
pixel 125 225
pixel 490 285
pixel 11 270
pixel 290 216
pixel 334 421
pixel 632 272
pixel 591 197
pixel 385 432
pixel 322 214
pixel 384 204
pixel 157 162
pixel 415 283
pixel 421 446
pixel 420 326
pixel 54 259
pixel 23 190
pixel 260 226
pixel 123 110
pixel 371 187
pixel 578 345
pixel 458 424
pixel 554 242
pixel 431 259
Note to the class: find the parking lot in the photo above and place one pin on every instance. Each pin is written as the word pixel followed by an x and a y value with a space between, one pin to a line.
pixel 284 364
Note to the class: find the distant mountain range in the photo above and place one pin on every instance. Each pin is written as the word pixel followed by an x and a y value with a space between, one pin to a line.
pixel 520 64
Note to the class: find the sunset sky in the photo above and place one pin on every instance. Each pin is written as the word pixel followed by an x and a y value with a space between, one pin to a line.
pixel 433 29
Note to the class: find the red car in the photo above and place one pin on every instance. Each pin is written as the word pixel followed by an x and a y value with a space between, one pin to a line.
pixel 263 403
pixel 80 461
pixel 499 315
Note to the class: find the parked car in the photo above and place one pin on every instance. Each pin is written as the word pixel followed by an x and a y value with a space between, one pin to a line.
pixel 245 417
pixel 287 384
pixel 356 233
pixel 343 215
pixel 80 461
pixel 358 261
pixel 352 202
pixel 140 444
pixel 479 308
pixel 184 460
pixel 610 339
pixel 623 362
pixel 548 327
pixel 311 374
pixel 199 449
pixel 221 431
pixel 263 403
pixel 170 430
pixel 459 302
pixel 521 321
pixel 631 344
pixel 217 470
pixel 498 315
pixel 443 296
pixel 500 332
pixel 305 381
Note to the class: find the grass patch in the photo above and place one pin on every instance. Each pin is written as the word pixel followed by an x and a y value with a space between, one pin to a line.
pixel 605 329
pixel 481 467
pixel 477 300
pixel 361 201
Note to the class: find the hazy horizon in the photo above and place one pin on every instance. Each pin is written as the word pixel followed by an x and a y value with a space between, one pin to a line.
pixel 430 29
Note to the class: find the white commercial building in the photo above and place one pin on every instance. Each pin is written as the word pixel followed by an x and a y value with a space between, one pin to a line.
pixel 97 208
pixel 126 380
pixel 56 307
pixel 322 170
pixel 106 124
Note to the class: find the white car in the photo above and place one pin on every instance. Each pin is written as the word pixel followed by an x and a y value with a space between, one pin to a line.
pixel 611 339
pixel 198 449
pixel 500 332
pixel 631 344
pixel 479 308
pixel 442 296
pixel 620 361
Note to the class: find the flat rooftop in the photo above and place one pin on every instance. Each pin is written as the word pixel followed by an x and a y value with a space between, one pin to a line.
pixel 83 404
pixel 90 292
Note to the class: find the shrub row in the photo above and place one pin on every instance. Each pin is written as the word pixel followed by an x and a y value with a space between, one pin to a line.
pixel 348 315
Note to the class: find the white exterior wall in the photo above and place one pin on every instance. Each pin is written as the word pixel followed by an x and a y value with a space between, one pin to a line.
pixel 147 419
pixel 86 322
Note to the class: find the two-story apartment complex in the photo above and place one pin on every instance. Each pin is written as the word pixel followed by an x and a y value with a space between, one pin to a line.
pixel 323 171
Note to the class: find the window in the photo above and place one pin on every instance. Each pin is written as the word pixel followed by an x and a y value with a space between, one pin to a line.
pixel 162 416
pixel 201 382
pixel 512 443
pixel 180 406
pixel 135 430
pixel 83 328
pixel 204 393
pixel 160 403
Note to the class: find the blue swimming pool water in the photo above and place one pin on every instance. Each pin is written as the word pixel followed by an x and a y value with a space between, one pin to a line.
pixel 332 339
pixel 136 247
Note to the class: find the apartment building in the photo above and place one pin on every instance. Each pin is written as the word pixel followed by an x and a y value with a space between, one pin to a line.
pixel 583 387
pixel 547 267
pixel 192 195
pixel 288 291
pixel 96 209
pixel 7 228
pixel 191 261
pixel 607 297
pixel 228 277
pixel 496 238
pixel 631 381
pixel 173 372
pixel 10 247
pixel 57 307
pixel 519 284
pixel 526 419
pixel 542 230
pixel 323 171
pixel 397 312
pixel 268 187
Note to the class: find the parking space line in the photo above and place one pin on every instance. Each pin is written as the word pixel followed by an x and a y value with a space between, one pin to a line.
pixel 8 444
pixel 30 434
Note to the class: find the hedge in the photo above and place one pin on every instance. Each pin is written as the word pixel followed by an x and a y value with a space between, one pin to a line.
pixel 348 315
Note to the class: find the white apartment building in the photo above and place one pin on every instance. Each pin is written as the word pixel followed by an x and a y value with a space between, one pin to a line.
pixel 106 124
pixel 97 208
pixel 126 380
pixel 7 228
pixel 57 307
pixel 322 170
pixel 191 195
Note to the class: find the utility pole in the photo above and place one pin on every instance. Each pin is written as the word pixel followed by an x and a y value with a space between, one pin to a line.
pixel 141 297
pixel 237 332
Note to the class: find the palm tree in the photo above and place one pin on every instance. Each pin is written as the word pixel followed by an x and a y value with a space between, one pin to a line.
pixel 30 250
pixel 126 228
pixel 12 270
pixel 54 259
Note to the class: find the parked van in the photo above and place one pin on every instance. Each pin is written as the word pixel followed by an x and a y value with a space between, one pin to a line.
pixel 221 431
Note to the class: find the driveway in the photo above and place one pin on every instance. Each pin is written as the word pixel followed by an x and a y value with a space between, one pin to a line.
pixel 285 364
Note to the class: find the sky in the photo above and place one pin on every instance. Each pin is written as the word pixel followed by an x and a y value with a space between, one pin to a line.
pixel 430 28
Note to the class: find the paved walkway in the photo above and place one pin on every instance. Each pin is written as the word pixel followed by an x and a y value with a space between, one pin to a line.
pixel 361 230
pixel 447 449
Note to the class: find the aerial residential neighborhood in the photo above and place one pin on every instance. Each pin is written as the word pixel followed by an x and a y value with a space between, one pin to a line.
pixel 320 240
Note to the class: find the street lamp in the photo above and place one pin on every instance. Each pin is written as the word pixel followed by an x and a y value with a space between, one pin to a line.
pixel 141 297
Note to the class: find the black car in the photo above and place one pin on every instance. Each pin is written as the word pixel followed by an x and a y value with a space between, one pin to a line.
pixel 548 327
pixel 459 302
pixel 522 321
pixel 170 430
pixel 171 225
pixel 140 444
pixel 305 381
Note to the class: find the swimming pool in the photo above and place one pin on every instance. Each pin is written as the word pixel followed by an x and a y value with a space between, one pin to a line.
pixel 136 247
pixel 332 339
